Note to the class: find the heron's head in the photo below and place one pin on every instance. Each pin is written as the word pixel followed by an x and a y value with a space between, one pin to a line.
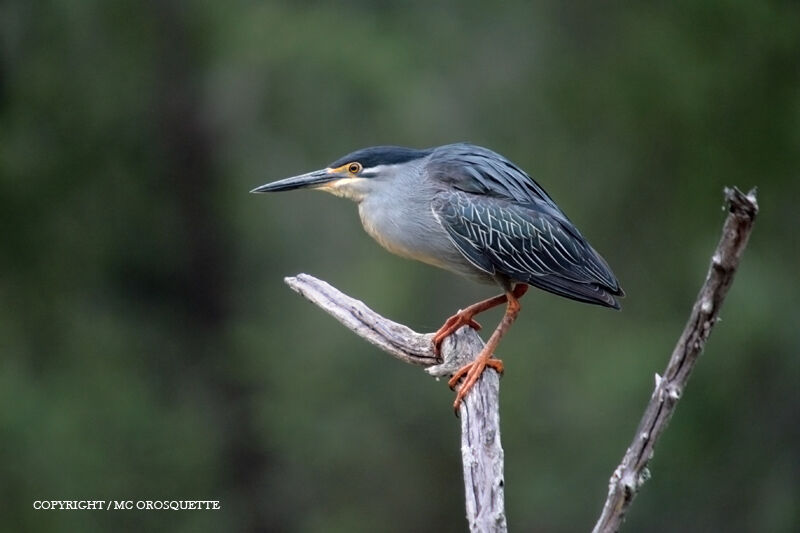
pixel 355 175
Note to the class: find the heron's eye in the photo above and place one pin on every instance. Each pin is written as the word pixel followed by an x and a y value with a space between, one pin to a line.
pixel 354 168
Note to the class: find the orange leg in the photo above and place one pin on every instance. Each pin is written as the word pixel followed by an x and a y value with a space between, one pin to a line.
pixel 465 316
pixel 471 372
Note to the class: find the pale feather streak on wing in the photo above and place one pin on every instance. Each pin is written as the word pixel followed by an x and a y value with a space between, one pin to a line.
pixel 538 250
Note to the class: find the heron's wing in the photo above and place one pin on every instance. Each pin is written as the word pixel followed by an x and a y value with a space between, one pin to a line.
pixel 526 243
pixel 478 170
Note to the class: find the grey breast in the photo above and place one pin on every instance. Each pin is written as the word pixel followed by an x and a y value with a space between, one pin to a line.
pixel 400 218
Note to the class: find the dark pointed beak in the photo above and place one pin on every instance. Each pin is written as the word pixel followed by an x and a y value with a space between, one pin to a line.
pixel 312 179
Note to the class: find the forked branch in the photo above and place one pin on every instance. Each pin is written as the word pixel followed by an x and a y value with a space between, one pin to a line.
pixel 481 451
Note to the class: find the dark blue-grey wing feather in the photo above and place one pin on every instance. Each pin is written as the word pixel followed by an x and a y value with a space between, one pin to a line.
pixel 528 243
pixel 505 223
pixel 478 170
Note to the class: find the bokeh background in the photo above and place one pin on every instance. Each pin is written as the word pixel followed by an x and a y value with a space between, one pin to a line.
pixel 150 349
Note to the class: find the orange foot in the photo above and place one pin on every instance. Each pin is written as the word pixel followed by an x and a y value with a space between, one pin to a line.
pixel 472 371
pixel 453 324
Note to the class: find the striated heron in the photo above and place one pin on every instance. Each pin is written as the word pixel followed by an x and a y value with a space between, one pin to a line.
pixel 469 210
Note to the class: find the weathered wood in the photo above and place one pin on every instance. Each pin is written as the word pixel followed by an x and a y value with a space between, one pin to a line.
pixel 632 472
pixel 481 450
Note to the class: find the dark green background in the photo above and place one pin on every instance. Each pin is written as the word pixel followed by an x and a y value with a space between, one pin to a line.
pixel 150 349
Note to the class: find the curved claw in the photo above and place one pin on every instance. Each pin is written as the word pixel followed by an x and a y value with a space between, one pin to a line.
pixel 473 372
pixel 453 324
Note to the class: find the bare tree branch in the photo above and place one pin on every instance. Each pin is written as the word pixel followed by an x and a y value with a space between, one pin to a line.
pixel 482 453
pixel 481 450
pixel 632 472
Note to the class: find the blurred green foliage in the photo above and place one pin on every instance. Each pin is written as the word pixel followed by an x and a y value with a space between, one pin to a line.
pixel 151 351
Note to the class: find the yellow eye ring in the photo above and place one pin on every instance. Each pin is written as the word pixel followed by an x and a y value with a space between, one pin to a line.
pixel 354 168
